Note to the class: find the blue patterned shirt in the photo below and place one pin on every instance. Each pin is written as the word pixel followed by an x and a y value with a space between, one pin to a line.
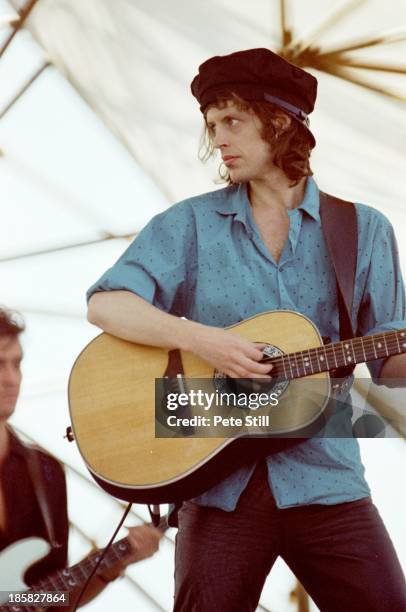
pixel 204 259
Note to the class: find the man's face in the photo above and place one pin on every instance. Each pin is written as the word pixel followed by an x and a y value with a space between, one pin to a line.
pixel 10 374
pixel 237 135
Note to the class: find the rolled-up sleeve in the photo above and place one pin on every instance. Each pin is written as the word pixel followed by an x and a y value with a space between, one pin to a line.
pixel 158 264
pixel 383 303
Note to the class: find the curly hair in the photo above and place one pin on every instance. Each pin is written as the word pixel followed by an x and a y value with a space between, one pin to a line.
pixel 291 149
pixel 11 322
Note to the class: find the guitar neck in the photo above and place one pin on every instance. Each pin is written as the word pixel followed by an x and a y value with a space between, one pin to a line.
pixel 339 354
pixel 69 578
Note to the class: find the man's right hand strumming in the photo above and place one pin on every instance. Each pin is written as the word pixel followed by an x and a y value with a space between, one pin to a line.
pixel 128 316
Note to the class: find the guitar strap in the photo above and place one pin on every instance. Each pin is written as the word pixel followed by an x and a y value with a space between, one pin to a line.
pixel 38 482
pixel 339 223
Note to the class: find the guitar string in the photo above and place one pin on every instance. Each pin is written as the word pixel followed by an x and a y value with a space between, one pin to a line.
pixel 116 552
pixel 89 562
pixel 312 356
pixel 86 564
pixel 331 348
pixel 320 363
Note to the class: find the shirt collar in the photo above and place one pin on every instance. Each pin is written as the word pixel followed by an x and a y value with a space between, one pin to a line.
pixel 237 202
pixel 311 201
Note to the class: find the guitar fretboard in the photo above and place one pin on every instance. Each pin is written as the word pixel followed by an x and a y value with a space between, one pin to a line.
pixel 338 354
pixel 75 576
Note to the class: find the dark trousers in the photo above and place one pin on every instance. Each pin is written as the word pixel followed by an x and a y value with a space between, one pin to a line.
pixel 342 554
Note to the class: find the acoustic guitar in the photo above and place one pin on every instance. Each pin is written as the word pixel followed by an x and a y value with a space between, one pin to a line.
pixel 129 452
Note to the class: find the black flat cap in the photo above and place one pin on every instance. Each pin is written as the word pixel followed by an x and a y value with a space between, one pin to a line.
pixel 257 74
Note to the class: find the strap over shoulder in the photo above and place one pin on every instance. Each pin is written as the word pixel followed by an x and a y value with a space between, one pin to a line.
pixel 339 223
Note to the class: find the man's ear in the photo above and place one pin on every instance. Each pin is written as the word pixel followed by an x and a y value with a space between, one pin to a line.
pixel 281 122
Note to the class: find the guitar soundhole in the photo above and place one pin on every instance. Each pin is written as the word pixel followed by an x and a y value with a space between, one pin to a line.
pixel 274 387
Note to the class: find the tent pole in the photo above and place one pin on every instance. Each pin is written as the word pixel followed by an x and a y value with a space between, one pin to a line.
pixel 18 24
pixel 24 88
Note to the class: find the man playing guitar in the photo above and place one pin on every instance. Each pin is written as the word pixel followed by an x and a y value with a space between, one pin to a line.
pixel 216 259
pixel 20 512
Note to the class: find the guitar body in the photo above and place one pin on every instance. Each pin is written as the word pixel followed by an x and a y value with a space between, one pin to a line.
pixel 112 407
pixel 14 562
